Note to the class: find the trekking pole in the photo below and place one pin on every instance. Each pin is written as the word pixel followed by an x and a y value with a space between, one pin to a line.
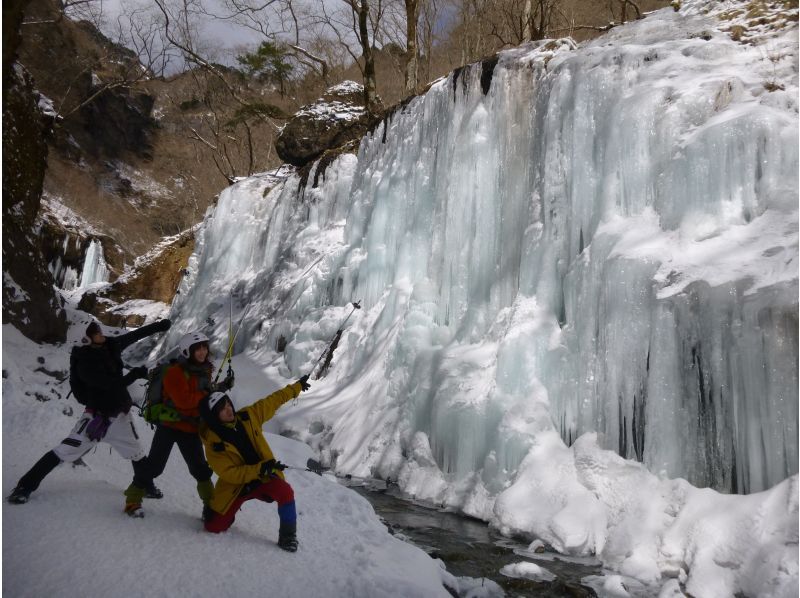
pixel 229 352
pixel 230 332
pixel 334 342
pixel 312 465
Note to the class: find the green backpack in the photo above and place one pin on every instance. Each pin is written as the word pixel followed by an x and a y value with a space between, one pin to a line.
pixel 154 408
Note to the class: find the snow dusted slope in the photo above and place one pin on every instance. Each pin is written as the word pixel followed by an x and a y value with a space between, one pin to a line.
pixel 573 253
pixel 72 538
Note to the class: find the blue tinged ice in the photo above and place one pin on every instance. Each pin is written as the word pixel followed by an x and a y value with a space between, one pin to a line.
pixel 95 268
pixel 598 256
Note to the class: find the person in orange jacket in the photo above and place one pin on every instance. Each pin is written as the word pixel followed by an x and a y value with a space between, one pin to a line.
pixel 184 385
pixel 242 459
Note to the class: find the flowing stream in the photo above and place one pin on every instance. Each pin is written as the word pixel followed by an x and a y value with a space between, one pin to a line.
pixel 468 547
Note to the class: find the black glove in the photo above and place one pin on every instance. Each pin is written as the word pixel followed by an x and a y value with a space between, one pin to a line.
pixel 223 386
pixel 304 385
pixel 162 325
pixel 271 466
pixel 135 374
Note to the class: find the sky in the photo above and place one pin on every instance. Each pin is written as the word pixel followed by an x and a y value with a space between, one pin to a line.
pixel 220 37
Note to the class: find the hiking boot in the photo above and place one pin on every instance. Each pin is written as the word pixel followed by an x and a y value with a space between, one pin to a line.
pixel 288 543
pixel 134 509
pixel 208 514
pixel 19 496
pixel 287 536
pixel 153 492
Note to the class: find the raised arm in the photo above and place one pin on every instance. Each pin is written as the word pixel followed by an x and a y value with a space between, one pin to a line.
pixel 125 340
pixel 265 408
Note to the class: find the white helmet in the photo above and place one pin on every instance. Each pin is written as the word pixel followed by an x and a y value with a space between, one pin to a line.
pixel 216 397
pixel 190 339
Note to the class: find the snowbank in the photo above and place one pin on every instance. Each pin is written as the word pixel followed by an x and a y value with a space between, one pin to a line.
pixel 72 539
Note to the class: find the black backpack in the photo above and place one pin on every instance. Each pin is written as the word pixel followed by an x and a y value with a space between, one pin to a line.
pixel 78 387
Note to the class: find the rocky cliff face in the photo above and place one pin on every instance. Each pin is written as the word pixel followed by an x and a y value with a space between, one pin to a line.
pixel 29 299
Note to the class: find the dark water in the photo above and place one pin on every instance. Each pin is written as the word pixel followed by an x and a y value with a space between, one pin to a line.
pixel 469 548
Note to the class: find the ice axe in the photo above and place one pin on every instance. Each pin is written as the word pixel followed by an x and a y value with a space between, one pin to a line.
pixel 229 353
pixel 328 352
pixel 312 465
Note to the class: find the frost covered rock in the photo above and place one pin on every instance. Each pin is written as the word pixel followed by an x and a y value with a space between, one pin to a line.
pixel 337 117
pixel 28 298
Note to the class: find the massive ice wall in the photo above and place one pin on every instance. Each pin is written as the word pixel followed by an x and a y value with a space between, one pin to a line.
pixel 594 239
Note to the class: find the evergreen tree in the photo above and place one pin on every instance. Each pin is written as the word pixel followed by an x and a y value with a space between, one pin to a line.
pixel 268 63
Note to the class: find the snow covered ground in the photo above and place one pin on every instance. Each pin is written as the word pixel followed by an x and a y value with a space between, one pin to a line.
pixel 72 539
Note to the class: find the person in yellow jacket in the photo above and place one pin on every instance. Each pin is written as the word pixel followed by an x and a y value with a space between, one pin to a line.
pixel 240 456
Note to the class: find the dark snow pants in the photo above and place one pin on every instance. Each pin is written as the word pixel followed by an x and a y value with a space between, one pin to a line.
pixel 191 448
pixel 31 480
pixel 275 489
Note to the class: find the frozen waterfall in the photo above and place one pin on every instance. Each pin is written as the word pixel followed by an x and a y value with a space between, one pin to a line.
pixel 95 268
pixel 599 239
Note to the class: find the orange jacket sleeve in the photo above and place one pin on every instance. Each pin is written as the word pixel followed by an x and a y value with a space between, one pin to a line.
pixel 182 390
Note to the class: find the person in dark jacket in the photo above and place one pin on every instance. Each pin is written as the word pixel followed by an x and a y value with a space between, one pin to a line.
pixel 98 382
pixel 239 454
pixel 185 384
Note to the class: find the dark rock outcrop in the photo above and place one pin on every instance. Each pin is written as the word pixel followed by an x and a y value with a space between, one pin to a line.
pixel 89 78
pixel 29 300
pixel 334 120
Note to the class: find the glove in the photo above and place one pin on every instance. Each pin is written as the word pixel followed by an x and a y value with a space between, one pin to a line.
pixel 304 385
pixel 97 427
pixel 223 386
pixel 269 468
pixel 227 383
pixel 162 325
pixel 135 374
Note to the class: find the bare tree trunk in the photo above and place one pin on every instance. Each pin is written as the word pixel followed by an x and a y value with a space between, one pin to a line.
pixel 527 15
pixel 370 87
pixel 412 16
pixel 428 19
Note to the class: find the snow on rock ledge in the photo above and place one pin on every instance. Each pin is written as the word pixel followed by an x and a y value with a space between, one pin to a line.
pixel 333 120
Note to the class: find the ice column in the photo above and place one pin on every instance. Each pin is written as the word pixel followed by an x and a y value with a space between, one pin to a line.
pixel 95 268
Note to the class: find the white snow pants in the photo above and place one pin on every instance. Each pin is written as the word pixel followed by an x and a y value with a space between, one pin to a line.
pixel 121 435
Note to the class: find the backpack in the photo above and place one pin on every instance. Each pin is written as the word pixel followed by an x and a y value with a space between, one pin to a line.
pixel 78 387
pixel 154 409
